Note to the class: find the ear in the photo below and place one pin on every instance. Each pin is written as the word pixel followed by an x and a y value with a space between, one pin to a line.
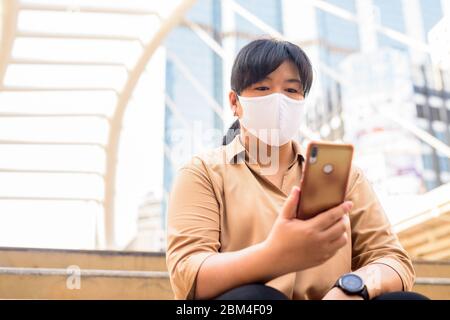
pixel 234 103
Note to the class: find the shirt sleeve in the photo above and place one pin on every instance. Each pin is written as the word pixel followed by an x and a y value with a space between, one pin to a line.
pixel 373 240
pixel 193 227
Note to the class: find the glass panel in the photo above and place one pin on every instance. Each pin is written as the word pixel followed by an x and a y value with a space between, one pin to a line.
pixel 42 157
pixel 77 50
pixel 51 185
pixel 102 102
pixel 54 129
pixel 48 224
pixel 88 23
pixel 65 76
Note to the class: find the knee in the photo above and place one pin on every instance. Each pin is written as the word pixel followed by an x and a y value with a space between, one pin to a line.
pixel 401 295
pixel 254 291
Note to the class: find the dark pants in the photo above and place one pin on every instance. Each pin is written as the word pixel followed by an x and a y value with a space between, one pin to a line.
pixel 263 292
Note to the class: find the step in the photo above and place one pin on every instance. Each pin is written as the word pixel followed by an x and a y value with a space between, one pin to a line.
pixel 84 259
pixel 433 288
pixel 41 283
pixel 439 269
pixel 134 260
pixel 433 279
pixel 42 274
pixel 46 283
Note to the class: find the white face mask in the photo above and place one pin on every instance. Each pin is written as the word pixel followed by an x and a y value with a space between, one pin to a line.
pixel 274 119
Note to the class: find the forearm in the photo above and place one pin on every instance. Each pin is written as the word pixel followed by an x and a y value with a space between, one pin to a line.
pixel 380 278
pixel 224 271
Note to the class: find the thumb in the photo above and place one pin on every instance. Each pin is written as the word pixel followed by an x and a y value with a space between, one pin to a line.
pixel 289 210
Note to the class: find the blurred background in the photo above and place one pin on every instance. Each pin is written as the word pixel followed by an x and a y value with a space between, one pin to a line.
pixel 102 101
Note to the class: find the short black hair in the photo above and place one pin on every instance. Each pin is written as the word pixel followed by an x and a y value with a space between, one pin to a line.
pixel 261 57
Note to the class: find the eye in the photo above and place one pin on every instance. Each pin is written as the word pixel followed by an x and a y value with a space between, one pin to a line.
pixel 262 88
pixel 291 90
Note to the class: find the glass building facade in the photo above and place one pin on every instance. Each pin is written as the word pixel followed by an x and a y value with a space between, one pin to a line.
pixel 193 89
pixel 431 13
pixel 390 14
pixel 339 38
pixel 269 11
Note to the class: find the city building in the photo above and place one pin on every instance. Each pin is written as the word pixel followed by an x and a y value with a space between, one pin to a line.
pixel 341 36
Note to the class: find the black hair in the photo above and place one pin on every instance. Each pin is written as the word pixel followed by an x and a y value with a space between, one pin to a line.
pixel 258 59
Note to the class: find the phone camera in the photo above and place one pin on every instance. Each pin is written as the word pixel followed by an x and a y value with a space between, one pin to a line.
pixel 328 168
pixel 313 157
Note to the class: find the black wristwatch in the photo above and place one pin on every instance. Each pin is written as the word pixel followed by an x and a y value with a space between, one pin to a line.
pixel 352 284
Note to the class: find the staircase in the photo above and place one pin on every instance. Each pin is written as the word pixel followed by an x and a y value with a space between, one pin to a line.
pixel 433 279
pixel 78 274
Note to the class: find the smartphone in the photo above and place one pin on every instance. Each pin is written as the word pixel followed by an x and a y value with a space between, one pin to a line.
pixel 324 178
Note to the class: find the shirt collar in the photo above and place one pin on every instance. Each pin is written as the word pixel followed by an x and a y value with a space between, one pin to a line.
pixel 298 153
pixel 235 151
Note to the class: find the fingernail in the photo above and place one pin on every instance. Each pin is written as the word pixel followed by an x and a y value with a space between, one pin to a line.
pixel 348 205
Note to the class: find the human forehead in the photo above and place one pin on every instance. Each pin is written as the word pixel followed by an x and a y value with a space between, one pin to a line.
pixel 287 69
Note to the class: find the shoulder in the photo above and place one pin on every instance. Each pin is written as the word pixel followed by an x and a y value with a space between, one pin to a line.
pixel 206 161
pixel 356 176
pixel 208 166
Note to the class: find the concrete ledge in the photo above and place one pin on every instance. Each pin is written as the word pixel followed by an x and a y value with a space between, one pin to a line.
pixel 29 283
pixel 83 273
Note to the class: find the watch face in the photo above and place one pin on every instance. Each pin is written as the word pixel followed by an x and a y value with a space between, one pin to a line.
pixel 352 283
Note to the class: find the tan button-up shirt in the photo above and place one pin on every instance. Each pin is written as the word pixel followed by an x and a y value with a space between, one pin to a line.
pixel 221 202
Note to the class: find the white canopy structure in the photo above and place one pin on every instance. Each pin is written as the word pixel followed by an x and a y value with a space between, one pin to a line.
pixel 65 70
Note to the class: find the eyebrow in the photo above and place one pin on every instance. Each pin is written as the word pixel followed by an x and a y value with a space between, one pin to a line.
pixel 293 80
pixel 287 80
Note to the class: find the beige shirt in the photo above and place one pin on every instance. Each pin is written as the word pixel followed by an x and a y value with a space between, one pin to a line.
pixel 221 202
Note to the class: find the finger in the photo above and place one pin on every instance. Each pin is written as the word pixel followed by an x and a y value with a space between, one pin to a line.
pixel 335 231
pixel 289 210
pixel 327 218
pixel 338 243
